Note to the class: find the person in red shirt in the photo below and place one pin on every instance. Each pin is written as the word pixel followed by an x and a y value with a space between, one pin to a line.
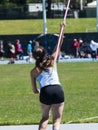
pixel 18 49
pixel 75 47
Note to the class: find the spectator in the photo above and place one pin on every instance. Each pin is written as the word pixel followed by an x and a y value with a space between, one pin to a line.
pixel 80 52
pixel 29 51
pixel 12 53
pixel 21 56
pixel 75 46
pixel 18 48
pixel 94 47
pixel 1 50
pixel 36 44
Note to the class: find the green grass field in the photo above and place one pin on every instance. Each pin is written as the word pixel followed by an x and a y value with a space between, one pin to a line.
pixel 36 26
pixel 18 104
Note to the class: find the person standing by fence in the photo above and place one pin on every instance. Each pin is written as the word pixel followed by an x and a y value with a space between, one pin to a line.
pixel 29 51
pixel 1 50
pixel 11 53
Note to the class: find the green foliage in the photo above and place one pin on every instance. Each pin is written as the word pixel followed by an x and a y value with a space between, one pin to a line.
pixel 18 2
pixel 18 104
pixel 74 4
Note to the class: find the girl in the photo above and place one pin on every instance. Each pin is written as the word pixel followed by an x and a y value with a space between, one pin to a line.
pixel 51 93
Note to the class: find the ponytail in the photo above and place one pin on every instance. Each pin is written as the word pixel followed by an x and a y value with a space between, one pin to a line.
pixel 42 60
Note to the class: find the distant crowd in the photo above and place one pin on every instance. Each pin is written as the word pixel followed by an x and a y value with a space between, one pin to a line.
pixel 80 49
pixel 16 52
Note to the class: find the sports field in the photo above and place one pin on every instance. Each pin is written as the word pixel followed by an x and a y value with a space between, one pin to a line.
pixel 18 105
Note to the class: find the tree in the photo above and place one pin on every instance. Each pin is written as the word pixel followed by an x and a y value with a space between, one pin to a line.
pixel 3 2
pixel 18 2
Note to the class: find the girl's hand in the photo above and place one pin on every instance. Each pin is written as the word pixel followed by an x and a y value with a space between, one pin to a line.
pixel 62 24
pixel 37 91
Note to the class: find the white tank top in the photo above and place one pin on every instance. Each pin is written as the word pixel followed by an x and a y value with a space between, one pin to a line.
pixel 48 78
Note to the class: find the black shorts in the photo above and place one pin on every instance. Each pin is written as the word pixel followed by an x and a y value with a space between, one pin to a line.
pixel 52 94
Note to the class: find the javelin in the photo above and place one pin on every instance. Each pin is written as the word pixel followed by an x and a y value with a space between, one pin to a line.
pixel 62 29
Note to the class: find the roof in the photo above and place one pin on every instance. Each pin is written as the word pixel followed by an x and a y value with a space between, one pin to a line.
pixel 92 4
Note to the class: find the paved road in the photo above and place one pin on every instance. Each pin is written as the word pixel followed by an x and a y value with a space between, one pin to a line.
pixel 86 126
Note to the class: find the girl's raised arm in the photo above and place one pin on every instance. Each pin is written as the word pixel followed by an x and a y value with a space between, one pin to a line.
pixel 59 43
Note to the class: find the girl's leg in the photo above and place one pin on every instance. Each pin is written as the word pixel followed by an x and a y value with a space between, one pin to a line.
pixel 57 110
pixel 45 116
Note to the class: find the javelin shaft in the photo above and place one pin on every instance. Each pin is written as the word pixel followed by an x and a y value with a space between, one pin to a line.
pixel 62 29
pixel 66 10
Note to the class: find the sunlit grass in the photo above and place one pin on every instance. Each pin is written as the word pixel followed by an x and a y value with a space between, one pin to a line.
pixel 18 104
pixel 36 26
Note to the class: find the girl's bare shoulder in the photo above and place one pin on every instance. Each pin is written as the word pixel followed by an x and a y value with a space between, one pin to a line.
pixel 35 72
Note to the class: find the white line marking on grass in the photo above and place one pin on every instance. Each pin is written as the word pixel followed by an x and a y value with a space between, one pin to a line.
pixel 90 118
